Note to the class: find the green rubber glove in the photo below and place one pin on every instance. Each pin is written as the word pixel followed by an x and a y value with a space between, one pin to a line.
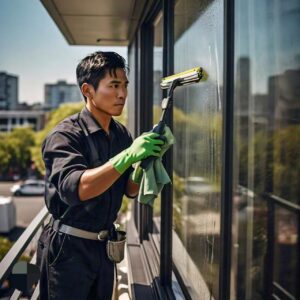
pixel 143 146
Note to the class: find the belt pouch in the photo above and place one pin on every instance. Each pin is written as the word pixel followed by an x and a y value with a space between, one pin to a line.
pixel 115 248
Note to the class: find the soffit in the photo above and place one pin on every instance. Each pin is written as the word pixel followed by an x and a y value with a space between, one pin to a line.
pixel 96 22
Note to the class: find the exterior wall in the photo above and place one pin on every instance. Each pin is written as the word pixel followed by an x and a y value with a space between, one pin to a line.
pixel 57 94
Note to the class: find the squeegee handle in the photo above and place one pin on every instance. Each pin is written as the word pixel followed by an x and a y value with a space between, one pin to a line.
pixel 158 129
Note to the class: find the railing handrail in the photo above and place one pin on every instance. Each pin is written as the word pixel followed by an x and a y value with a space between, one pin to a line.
pixel 20 245
pixel 17 294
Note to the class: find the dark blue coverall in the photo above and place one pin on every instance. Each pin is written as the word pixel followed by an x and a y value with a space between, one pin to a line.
pixel 72 267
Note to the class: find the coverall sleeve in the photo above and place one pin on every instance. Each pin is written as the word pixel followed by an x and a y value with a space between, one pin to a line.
pixel 64 163
pixel 131 169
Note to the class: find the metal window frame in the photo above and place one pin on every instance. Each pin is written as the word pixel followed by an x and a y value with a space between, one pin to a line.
pixel 144 214
pixel 167 192
pixel 143 61
pixel 227 153
pixel 145 112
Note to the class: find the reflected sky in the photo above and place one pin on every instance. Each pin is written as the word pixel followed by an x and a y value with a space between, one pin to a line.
pixel 270 35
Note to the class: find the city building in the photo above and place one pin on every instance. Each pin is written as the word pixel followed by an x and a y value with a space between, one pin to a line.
pixel 12 119
pixel 8 91
pixel 60 93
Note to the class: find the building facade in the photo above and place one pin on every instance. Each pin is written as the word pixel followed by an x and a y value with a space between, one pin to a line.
pixel 8 91
pixel 60 93
pixel 228 227
pixel 12 119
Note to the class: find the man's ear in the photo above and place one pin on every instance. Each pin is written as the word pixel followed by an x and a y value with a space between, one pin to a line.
pixel 87 90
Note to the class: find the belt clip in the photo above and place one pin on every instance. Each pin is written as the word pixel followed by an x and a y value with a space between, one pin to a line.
pixel 102 235
pixel 55 224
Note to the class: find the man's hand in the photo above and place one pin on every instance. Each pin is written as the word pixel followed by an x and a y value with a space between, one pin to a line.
pixel 143 146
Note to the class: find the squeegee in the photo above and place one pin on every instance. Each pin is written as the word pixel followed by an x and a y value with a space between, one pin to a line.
pixel 171 82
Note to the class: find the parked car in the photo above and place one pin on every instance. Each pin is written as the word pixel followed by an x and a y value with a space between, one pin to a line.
pixel 30 187
pixel 195 186
pixel 200 193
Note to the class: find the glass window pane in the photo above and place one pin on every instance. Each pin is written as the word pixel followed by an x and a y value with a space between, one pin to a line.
pixel 266 141
pixel 197 151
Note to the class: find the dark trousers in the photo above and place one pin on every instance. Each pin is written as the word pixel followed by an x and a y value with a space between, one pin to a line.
pixel 73 268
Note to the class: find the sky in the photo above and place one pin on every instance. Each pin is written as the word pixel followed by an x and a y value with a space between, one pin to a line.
pixel 33 48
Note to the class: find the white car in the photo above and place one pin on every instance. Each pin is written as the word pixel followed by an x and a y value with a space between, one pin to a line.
pixel 30 187
pixel 197 186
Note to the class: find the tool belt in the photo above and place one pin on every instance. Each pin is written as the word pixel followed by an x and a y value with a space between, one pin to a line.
pixel 57 226
pixel 116 239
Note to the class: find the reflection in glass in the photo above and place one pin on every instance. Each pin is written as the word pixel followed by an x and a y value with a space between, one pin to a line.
pixel 286 250
pixel 197 151
pixel 157 93
pixel 266 144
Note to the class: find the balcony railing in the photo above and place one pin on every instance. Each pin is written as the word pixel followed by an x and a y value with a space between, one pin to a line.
pixel 13 255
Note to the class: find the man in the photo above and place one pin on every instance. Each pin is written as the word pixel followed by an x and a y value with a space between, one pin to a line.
pixel 88 159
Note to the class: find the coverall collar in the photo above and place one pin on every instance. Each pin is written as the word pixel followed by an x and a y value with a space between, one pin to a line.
pixel 91 122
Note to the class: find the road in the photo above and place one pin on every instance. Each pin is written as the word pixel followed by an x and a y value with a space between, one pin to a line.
pixel 26 207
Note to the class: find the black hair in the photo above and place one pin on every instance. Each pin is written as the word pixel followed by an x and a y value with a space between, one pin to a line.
pixel 93 67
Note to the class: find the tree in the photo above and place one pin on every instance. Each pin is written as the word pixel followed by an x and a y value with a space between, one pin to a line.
pixel 53 119
pixel 15 152
pixel 286 168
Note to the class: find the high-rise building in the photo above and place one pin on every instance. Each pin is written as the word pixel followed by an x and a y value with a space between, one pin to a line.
pixel 284 94
pixel 61 92
pixel 8 91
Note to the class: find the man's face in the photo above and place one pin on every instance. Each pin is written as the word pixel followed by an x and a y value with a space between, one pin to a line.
pixel 111 94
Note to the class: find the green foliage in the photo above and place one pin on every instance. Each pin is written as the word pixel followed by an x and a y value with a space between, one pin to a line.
pixel 15 149
pixel 272 157
pixel 53 119
pixel 5 245
pixel 178 187
pixel 286 143
pixel 197 136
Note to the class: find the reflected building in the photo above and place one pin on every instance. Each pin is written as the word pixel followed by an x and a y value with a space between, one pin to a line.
pixel 243 85
pixel 284 92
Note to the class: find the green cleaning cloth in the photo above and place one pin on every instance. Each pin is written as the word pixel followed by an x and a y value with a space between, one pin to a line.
pixel 155 175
